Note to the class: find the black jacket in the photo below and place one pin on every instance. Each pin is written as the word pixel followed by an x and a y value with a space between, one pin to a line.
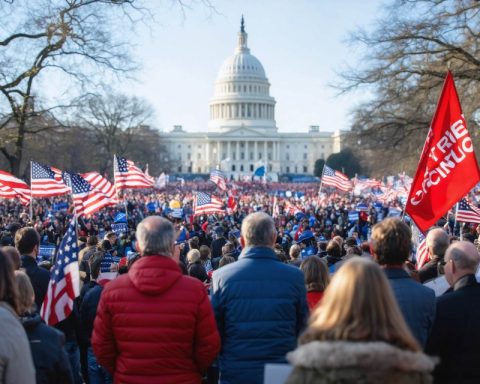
pixel 216 247
pixel 88 309
pixel 49 357
pixel 197 270
pixel 39 278
pixel 455 336
pixel 429 271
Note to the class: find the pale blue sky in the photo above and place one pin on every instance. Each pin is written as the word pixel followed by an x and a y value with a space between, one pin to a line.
pixel 300 44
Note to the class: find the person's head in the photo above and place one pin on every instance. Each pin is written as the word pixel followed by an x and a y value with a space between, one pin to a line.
pixel 14 255
pixel 26 295
pixel 8 287
pixel 27 241
pixel 391 241
pixel 316 274
pixel 333 249
pixel 294 252
pixel 194 243
pixel 339 240
pixel 155 236
pixel 258 230
pixel 111 237
pixel 461 258
pixel 95 263
pixel 225 260
pixel 437 242
pixel 228 248
pixel 359 305
pixel 92 241
pixel 204 252
pixel 193 256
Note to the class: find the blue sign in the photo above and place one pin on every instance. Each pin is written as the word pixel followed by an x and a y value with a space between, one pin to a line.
pixel 120 218
pixel 353 216
pixel 119 228
pixel 46 252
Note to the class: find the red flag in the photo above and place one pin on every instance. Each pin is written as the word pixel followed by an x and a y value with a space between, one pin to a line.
pixel 448 168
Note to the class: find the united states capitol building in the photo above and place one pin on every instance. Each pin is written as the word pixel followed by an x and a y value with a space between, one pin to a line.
pixel 242 133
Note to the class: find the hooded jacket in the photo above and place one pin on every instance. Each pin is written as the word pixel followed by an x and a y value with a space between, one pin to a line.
pixel 347 362
pixel 155 325
pixel 49 357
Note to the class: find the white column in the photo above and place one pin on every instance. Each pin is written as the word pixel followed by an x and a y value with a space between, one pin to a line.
pixel 218 152
pixel 255 151
pixel 207 153
pixel 237 149
pixel 265 154
pixel 229 150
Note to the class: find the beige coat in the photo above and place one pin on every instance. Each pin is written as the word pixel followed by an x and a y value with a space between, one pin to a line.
pixel 16 364
pixel 358 362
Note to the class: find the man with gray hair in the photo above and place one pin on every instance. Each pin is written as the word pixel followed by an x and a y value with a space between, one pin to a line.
pixel 455 336
pixel 437 242
pixel 260 305
pixel 154 324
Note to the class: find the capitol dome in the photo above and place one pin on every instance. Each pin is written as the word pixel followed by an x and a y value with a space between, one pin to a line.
pixel 242 92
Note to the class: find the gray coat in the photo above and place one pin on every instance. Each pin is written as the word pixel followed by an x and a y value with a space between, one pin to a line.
pixel 16 364
pixel 323 362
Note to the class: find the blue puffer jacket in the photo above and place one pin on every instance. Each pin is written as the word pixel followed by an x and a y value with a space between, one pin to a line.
pixel 260 306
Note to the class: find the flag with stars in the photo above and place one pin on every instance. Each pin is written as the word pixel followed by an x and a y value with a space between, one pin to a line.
pixel 47 181
pixel 87 199
pixel 217 177
pixel 467 213
pixel 128 175
pixel 335 179
pixel 64 285
pixel 203 203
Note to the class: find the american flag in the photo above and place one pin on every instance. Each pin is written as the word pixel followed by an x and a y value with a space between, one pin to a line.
pixel 86 198
pixel 203 203
pixel 467 213
pixel 64 285
pixel 336 179
pixel 47 181
pixel 218 178
pixel 147 175
pixel 97 181
pixel 11 188
pixel 127 175
pixel 422 256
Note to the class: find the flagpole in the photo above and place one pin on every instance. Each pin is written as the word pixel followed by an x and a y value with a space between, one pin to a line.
pixel 31 194
pixel 455 221
pixel 321 180
pixel 117 190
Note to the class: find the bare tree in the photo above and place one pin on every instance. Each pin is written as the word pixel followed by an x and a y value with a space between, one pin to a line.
pixel 405 61
pixel 67 39
pixel 115 122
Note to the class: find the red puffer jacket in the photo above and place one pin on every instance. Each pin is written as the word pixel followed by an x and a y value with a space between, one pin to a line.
pixel 155 325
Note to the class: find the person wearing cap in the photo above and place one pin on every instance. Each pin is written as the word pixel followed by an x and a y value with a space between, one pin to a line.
pixel 218 242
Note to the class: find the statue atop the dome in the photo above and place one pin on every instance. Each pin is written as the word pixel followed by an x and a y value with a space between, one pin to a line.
pixel 242 25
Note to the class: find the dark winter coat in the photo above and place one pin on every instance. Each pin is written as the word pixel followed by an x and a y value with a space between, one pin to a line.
pixel 39 278
pixel 216 247
pixel 260 305
pixel 197 270
pixel 49 357
pixel 326 362
pixel 155 325
pixel 416 302
pixel 455 336
pixel 88 309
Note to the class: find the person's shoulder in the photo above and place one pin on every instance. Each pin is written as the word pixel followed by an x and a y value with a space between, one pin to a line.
pixel 119 282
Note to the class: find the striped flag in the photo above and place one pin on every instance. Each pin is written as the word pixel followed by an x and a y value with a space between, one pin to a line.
pixel 128 175
pixel 47 181
pixel 422 255
pixel 217 177
pixel 86 198
pixel 99 182
pixel 64 285
pixel 467 213
pixel 335 179
pixel 11 188
pixel 203 203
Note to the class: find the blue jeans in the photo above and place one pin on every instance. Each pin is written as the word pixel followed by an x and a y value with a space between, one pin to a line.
pixel 96 373
pixel 74 357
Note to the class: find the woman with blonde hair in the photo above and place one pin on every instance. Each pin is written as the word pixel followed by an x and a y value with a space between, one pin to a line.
pixel 316 276
pixel 358 334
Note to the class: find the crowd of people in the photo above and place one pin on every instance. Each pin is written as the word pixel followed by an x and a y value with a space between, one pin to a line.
pixel 291 278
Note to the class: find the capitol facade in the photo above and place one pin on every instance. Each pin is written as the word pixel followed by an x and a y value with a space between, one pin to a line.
pixel 242 133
